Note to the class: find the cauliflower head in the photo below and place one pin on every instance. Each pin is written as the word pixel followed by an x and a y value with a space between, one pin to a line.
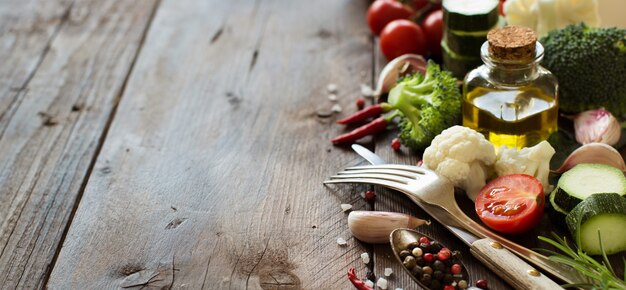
pixel 545 15
pixel 463 156
pixel 533 161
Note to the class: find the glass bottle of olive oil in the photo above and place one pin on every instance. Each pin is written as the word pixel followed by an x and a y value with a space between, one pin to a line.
pixel 511 99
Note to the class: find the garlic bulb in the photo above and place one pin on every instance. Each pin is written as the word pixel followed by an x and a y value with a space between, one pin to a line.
pixel 597 126
pixel 398 67
pixel 375 226
pixel 594 153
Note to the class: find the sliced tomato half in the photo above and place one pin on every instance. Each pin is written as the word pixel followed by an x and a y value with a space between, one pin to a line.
pixel 511 204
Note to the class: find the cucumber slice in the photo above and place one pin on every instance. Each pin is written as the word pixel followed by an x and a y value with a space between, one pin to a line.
pixel 469 15
pixel 604 212
pixel 584 180
pixel 457 64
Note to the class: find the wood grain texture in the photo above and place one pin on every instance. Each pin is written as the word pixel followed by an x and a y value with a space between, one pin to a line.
pixel 64 66
pixel 211 174
pixel 511 268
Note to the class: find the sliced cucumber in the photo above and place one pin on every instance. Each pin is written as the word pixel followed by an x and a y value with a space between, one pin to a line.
pixel 457 64
pixel 584 180
pixel 603 212
pixel 470 15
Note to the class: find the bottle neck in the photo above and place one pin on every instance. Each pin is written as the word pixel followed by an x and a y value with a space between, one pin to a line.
pixel 511 72
pixel 514 75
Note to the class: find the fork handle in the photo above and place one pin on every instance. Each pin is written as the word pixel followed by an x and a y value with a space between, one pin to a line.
pixel 510 267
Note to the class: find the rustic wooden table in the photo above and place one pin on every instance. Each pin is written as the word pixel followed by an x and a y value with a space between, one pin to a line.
pixel 177 144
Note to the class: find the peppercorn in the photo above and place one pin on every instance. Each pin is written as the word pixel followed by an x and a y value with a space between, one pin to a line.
pixel 438 265
pixel 462 284
pixel 429 257
pixel 435 246
pixel 370 196
pixel 455 269
pixel 417 252
pixel 438 275
pixel 395 144
pixel 482 284
pixel 426 278
pixel 427 270
pixel 448 279
pixel 413 245
pixel 417 271
pixel 409 262
pixel 404 253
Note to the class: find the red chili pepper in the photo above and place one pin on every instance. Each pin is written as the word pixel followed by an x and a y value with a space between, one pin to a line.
pixel 362 115
pixel 374 127
pixel 358 284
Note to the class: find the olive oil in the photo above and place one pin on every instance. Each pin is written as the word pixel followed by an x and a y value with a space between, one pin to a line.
pixel 511 99
pixel 518 118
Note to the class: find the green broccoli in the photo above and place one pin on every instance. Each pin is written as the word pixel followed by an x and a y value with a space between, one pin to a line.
pixel 427 104
pixel 590 65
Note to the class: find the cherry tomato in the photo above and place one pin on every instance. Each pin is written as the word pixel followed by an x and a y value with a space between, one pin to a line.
pixel 381 12
pixel 401 37
pixel 511 204
pixel 433 28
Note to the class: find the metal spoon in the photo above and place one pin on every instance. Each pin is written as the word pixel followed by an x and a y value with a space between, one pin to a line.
pixel 400 240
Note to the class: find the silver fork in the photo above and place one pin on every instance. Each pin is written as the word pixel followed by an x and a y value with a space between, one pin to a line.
pixel 425 186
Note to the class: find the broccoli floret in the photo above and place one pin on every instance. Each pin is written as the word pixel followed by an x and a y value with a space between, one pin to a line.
pixel 590 65
pixel 427 105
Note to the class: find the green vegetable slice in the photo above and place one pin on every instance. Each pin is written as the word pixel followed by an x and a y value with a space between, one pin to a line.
pixel 604 213
pixel 470 15
pixel 584 180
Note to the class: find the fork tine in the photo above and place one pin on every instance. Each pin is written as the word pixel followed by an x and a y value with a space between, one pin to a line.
pixel 389 177
pixel 408 168
pixel 381 182
pixel 394 172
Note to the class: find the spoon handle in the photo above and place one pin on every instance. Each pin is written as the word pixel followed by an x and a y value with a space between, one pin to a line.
pixel 510 267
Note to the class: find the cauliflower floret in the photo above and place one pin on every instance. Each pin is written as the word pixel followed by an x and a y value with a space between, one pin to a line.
pixel 533 161
pixel 545 15
pixel 463 156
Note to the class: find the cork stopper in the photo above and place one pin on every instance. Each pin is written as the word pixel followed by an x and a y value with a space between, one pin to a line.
pixel 512 43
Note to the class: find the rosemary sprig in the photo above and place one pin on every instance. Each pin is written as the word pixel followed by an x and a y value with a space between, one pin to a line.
pixel 600 275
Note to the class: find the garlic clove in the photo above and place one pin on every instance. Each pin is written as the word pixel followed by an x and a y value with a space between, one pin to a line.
pixel 398 67
pixel 375 226
pixel 597 126
pixel 595 153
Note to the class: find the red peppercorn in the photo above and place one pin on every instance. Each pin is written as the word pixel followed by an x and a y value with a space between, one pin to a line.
pixel 444 254
pixel 360 103
pixel 448 287
pixel 482 284
pixel 370 196
pixel 395 144
pixel 424 240
pixel 455 269
pixel 428 257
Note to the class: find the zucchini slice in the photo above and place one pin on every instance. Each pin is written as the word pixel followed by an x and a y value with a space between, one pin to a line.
pixel 470 15
pixel 603 212
pixel 584 180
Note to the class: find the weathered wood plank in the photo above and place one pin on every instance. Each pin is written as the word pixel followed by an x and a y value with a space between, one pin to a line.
pixel 211 174
pixel 64 66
